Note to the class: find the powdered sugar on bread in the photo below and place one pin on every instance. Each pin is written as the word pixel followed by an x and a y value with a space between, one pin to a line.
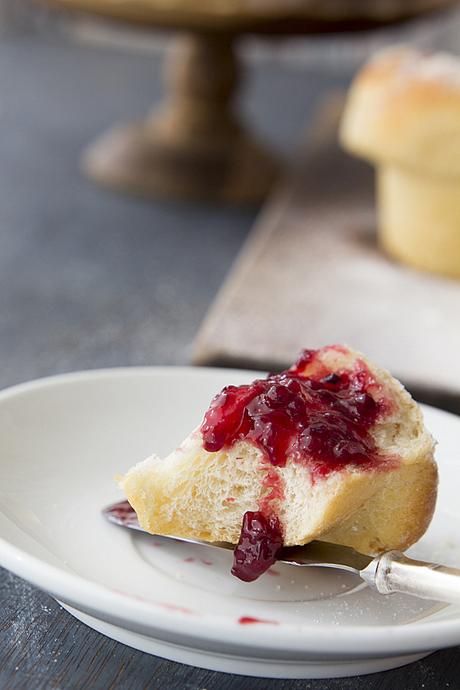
pixel 411 64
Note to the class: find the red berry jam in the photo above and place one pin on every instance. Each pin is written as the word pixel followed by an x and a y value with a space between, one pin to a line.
pixel 321 419
pixel 122 513
pixel 317 417
pixel 260 540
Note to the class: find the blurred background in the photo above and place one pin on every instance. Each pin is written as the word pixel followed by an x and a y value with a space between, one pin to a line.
pixel 114 243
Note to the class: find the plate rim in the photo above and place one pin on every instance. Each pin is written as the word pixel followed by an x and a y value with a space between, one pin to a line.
pixel 107 603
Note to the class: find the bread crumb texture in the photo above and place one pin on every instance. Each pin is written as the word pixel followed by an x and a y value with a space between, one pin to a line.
pixel 203 495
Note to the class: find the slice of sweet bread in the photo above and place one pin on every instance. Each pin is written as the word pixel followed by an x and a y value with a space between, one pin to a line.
pixel 333 449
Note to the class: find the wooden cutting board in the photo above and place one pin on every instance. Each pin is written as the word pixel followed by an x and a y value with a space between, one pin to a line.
pixel 311 273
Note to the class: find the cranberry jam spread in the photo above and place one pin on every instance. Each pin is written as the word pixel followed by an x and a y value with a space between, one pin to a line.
pixel 321 420
pixel 313 416
pixel 260 540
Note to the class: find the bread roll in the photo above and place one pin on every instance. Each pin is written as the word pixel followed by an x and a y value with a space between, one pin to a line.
pixel 374 504
pixel 403 114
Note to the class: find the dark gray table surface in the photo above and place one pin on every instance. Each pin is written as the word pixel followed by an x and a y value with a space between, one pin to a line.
pixel 90 279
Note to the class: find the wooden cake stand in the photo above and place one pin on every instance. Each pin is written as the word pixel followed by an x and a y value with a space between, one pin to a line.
pixel 193 146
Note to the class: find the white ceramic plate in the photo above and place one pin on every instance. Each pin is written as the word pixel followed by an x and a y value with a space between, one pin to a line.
pixel 63 439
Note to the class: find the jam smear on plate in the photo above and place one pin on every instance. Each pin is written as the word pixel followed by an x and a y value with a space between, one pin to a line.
pixel 249 620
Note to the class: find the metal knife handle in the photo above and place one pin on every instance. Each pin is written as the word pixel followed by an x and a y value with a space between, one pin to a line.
pixel 395 572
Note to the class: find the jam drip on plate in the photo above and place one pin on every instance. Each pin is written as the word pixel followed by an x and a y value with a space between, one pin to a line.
pixel 321 420
pixel 260 540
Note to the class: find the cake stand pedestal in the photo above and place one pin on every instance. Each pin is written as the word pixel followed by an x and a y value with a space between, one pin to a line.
pixel 193 146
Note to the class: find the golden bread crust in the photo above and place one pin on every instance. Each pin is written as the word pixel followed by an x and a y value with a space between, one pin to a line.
pixel 194 493
pixel 403 108
pixel 403 113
